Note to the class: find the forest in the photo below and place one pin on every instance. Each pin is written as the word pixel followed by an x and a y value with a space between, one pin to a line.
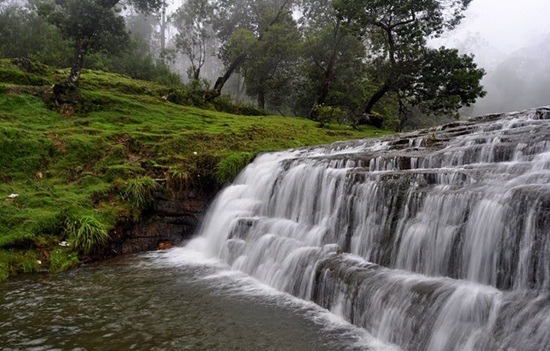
pixel 351 62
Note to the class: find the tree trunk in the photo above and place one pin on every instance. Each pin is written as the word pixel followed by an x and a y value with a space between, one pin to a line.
pixel 367 116
pixel 220 82
pixel 163 30
pixel 78 62
pixel 327 74
pixel 261 99
pixel 196 73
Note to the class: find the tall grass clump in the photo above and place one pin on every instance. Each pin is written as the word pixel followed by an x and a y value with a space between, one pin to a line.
pixel 86 233
pixel 178 179
pixel 139 192
pixel 227 169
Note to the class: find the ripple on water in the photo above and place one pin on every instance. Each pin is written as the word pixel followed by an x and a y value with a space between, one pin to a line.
pixel 175 300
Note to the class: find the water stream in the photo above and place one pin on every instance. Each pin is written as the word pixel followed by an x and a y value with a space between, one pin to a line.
pixel 165 301
pixel 436 240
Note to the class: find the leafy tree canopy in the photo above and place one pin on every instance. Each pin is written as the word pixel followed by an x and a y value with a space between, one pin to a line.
pixel 91 25
pixel 397 32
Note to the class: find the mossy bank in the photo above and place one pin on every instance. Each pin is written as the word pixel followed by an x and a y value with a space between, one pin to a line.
pixel 78 175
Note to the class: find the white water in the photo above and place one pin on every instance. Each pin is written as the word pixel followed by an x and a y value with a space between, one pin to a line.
pixel 445 232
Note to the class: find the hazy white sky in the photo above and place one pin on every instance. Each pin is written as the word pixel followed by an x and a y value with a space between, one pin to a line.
pixel 504 25
pixel 498 32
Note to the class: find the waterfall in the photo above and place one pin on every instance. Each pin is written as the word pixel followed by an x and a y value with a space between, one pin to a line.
pixel 432 240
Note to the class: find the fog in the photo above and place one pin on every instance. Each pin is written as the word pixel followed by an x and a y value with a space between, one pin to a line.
pixel 511 40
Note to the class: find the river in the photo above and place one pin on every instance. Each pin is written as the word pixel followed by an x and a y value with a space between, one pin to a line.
pixel 174 300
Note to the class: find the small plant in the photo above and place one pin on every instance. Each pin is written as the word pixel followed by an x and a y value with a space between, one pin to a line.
pixel 178 179
pixel 228 168
pixel 139 192
pixel 13 262
pixel 62 259
pixel 86 233
pixel 327 114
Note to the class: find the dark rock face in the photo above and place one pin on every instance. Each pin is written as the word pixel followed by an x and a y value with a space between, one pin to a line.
pixel 173 219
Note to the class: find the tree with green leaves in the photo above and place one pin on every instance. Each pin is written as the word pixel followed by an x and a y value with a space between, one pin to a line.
pixel 331 54
pixel 193 20
pixel 397 32
pixel 92 26
pixel 238 20
pixel 24 34
pixel 271 62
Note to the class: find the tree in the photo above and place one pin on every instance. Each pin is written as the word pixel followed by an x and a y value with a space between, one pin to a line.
pixel 397 32
pixel 331 56
pixel 91 25
pixel 194 23
pixel 270 61
pixel 24 34
pixel 235 16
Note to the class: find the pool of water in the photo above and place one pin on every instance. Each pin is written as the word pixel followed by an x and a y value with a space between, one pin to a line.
pixel 165 301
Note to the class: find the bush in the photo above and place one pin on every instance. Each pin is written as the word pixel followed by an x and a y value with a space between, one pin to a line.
pixel 225 104
pixel 186 97
pixel 139 192
pixel 327 114
pixel 62 259
pixel 86 233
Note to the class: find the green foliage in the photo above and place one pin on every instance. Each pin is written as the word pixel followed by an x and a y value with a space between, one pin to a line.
pixel 90 25
pixel 139 192
pixel 25 34
pixel 100 161
pixel 446 82
pixel 178 179
pixel 193 21
pixel 13 262
pixel 62 259
pixel 186 97
pixel 440 81
pixel 225 104
pixel 137 62
pixel 228 168
pixel 86 233
pixel 328 114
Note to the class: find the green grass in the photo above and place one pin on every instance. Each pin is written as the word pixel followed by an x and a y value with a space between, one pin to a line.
pixel 86 233
pixel 94 162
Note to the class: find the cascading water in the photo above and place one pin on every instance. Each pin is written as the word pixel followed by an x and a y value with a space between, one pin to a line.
pixel 433 240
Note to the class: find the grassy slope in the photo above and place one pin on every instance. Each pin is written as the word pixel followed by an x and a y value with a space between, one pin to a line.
pixel 79 162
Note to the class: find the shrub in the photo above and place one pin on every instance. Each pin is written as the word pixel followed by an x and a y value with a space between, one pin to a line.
pixel 225 104
pixel 62 259
pixel 86 233
pixel 139 192
pixel 327 114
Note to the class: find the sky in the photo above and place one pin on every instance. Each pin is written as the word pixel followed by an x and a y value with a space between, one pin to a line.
pixel 507 25
pixel 506 37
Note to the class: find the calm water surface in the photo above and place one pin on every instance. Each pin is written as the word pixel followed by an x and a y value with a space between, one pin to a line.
pixel 164 301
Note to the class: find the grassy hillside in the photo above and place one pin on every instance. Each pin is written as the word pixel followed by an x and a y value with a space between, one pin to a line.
pixel 75 169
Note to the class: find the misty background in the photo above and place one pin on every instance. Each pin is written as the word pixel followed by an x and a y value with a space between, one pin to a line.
pixel 511 41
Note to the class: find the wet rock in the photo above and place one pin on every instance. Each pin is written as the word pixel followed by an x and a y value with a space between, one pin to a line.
pixel 173 219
